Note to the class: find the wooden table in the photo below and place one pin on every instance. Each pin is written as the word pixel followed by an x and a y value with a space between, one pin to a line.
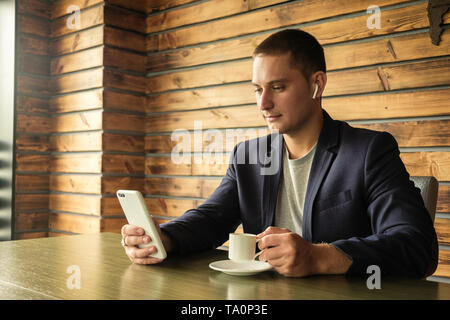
pixel 38 269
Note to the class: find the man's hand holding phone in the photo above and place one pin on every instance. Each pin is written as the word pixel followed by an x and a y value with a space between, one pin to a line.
pixel 133 236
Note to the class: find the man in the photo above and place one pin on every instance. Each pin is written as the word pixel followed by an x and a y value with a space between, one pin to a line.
pixel 341 199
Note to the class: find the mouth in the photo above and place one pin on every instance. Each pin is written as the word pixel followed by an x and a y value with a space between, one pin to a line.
pixel 271 118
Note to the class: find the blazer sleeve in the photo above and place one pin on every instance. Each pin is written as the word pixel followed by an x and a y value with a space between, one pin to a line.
pixel 404 241
pixel 208 225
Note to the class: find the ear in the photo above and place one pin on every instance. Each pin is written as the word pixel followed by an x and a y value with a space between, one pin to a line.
pixel 318 81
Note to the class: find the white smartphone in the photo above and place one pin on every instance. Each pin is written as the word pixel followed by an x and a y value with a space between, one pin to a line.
pixel 135 210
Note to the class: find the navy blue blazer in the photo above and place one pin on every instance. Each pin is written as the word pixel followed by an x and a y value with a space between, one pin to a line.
pixel 359 198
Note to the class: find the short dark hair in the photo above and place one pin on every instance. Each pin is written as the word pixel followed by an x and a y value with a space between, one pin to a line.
pixel 306 52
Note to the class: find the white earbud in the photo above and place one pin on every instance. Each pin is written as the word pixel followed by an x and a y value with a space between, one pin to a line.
pixel 315 91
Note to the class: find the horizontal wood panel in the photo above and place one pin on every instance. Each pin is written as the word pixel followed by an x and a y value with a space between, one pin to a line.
pixel 296 13
pixel 112 224
pixel 110 185
pixel 84 80
pixel 124 101
pixel 76 183
pixel 31 104
pixel 31 63
pixel 442 227
pixel 76 163
pixel 141 6
pixel 28 182
pixel 111 206
pixel 77 61
pixel 32 162
pixel 119 80
pixel 32 84
pixel 125 60
pixel 26 142
pixel 385 106
pixel 123 122
pixel 123 142
pixel 127 20
pixel 74 223
pixel 31 202
pixel 124 39
pixel 34 7
pixel 31 25
pixel 33 123
pixel 159 5
pixel 85 141
pixel 82 121
pixel 230 117
pixel 30 221
pixel 86 100
pixel 77 41
pixel 89 205
pixel 202 98
pixel 30 45
pixel 127 164
pixel 443 202
pixel 184 187
pixel 29 235
pixel 200 165
pixel 393 49
pixel 169 207
pixel 94 184
pixel 435 164
pixel 226 72
pixel 423 133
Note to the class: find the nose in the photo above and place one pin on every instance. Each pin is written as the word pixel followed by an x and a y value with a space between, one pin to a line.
pixel 265 100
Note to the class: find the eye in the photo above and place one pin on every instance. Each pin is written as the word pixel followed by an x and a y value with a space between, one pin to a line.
pixel 258 90
pixel 278 88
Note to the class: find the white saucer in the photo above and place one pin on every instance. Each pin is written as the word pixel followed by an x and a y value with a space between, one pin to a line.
pixel 240 268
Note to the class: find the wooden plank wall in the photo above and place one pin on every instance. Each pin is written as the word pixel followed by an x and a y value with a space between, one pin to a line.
pixel 136 71
pixel 33 122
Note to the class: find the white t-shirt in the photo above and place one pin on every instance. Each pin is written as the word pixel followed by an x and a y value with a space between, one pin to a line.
pixel 292 191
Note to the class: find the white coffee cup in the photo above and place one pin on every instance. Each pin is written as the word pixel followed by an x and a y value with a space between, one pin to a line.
pixel 242 247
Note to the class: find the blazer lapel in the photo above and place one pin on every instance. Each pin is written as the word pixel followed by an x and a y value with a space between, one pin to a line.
pixel 273 167
pixel 323 158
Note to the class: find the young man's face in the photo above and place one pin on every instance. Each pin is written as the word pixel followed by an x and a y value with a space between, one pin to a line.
pixel 283 95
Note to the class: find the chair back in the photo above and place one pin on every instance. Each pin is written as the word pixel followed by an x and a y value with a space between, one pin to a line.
pixel 428 186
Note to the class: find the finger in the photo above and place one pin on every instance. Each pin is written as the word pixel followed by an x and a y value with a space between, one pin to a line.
pixel 272 230
pixel 271 254
pixel 137 253
pixel 271 240
pixel 147 260
pixel 141 256
pixel 136 240
pixel 131 230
